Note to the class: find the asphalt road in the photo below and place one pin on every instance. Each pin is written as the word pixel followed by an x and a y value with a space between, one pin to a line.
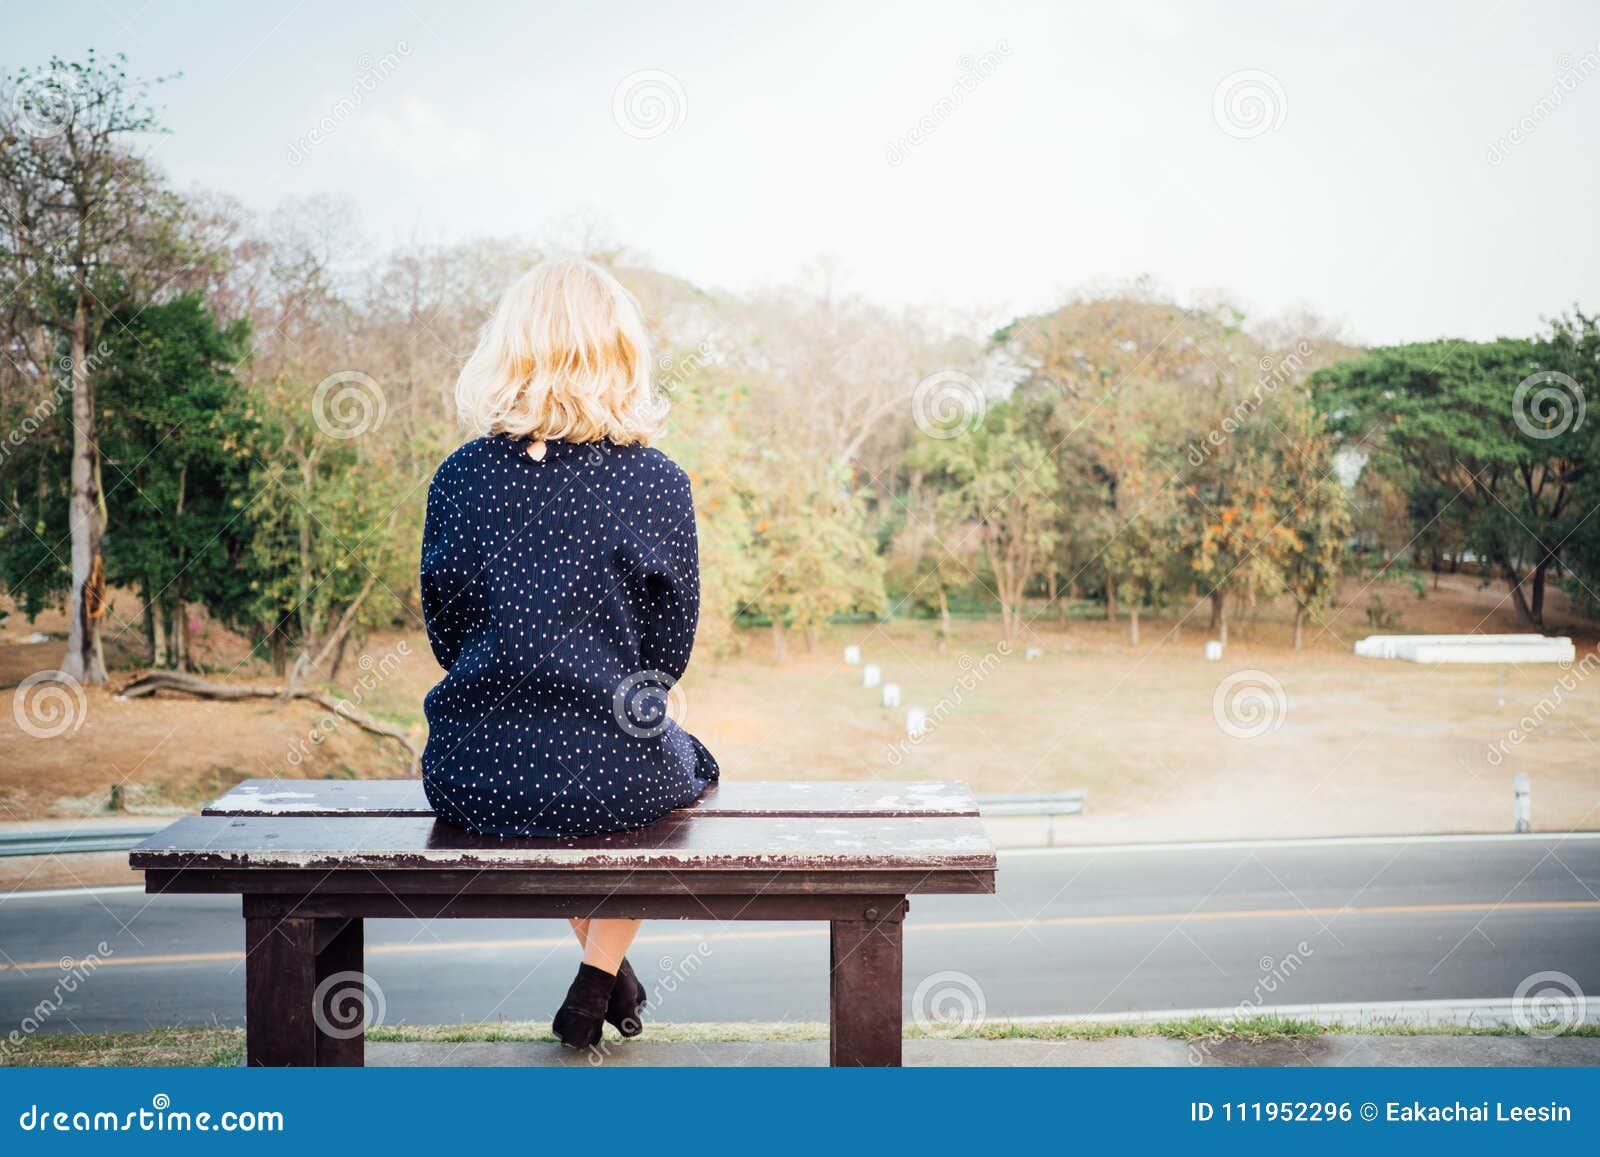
pixel 1069 932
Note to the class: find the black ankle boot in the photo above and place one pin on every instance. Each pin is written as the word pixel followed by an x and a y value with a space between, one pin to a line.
pixel 625 1010
pixel 582 1014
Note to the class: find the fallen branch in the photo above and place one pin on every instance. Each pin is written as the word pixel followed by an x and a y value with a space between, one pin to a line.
pixel 154 681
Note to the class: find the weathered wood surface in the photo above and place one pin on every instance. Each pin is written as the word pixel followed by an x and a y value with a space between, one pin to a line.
pixel 679 842
pixel 777 906
pixel 404 797
pixel 522 888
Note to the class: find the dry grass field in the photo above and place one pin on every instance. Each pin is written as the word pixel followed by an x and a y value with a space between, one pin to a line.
pixel 1352 746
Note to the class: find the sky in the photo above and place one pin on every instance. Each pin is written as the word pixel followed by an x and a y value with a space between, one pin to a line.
pixel 1406 170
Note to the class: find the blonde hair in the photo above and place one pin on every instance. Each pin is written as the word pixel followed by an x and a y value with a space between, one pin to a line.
pixel 565 356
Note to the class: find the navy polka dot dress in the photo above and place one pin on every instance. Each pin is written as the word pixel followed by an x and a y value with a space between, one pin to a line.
pixel 561 596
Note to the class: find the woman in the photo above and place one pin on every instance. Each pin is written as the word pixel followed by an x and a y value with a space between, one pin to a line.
pixel 560 583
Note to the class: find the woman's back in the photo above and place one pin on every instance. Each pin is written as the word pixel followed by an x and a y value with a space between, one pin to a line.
pixel 561 595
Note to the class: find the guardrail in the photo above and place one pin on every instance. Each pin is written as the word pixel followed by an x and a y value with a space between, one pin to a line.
pixel 120 839
pixel 46 843
pixel 1049 804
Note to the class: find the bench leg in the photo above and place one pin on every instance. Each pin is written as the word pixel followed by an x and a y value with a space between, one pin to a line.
pixel 286 960
pixel 342 956
pixel 864 990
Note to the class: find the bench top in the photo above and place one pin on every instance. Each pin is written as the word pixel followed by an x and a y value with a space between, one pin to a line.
pixel 824 836
pixel 404 797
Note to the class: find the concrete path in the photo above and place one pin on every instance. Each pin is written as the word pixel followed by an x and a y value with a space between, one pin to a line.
pixel 1329 1051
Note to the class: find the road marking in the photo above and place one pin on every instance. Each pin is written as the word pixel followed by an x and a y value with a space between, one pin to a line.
pixel 1537 839
pixel 811 929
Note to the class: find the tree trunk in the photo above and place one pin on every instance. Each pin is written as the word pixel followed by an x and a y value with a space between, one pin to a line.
pixel 944 617
pixel 1219 616
pixel 179 639
pixel 86 518
pixel 1111 598
pixel 1536 598
pixel 1133 624
pixel 157 615
pixel 209 689
pixel 1299 625
pixel 1519 598
pixel 780 645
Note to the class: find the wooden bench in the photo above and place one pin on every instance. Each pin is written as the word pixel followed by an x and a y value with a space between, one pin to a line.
pixel 314 858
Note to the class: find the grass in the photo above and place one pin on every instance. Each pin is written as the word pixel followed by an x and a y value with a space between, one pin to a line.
pixel 221 1047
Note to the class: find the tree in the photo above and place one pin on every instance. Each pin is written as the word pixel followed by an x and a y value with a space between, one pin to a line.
pixel 1001 477
pixel 83 222
pixel 175 435
pixel 1318 515
pixel 1485 428
pixel 814 555
pixel 1115 376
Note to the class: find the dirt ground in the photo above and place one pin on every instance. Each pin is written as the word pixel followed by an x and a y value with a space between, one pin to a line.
pixel 1269 742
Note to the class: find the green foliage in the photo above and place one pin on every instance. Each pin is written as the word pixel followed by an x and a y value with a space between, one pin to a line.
pixel 1478 431
pixel 1001 477
pixel 176 430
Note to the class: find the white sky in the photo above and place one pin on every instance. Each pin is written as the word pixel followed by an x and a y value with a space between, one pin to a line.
pixel 1091 151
